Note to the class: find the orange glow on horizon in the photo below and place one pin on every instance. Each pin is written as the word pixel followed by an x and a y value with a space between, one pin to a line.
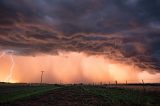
pixel 70 67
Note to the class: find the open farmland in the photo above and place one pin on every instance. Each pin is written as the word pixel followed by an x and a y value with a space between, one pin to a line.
pixel 12 92
pixel 77 95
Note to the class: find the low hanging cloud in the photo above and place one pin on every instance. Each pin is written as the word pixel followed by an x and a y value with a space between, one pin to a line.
pixel 119 29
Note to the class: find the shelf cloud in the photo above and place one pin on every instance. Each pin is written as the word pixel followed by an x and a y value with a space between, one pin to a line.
pixel 124 30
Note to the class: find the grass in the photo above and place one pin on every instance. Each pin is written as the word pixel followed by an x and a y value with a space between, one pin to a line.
pixel 117 96
pixel 20 92
pixel 79 94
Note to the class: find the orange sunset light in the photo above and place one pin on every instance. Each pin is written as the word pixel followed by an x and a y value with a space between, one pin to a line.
pixel 70 67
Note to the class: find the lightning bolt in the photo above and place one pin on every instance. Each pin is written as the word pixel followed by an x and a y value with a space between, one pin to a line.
pixel 9 77
pixel 3 53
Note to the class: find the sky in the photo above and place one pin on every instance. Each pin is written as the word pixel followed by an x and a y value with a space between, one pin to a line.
pixel 76 41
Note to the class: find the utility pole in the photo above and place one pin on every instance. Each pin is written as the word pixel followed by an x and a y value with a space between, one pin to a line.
pixel 42 76
pixel 116 82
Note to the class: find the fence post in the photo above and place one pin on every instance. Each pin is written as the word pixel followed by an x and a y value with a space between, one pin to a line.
pixel 100 83
pixel 109 83
pixel 143 85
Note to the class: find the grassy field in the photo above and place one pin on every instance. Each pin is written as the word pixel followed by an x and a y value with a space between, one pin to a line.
pixel 12 92
pixel 76 95
pixel 126 97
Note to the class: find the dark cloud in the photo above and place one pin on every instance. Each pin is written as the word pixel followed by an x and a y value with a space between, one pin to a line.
pixel 120 29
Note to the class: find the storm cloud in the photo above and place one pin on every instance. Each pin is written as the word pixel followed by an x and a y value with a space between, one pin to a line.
pixel 119 29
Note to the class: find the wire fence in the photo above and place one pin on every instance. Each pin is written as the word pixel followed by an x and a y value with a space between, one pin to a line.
pixel 142 81
pixel 152 85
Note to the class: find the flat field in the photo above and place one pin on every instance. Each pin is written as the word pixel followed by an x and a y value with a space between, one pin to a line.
pixel 78 95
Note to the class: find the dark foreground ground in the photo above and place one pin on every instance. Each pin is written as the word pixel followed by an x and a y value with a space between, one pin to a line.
pixel 76 95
